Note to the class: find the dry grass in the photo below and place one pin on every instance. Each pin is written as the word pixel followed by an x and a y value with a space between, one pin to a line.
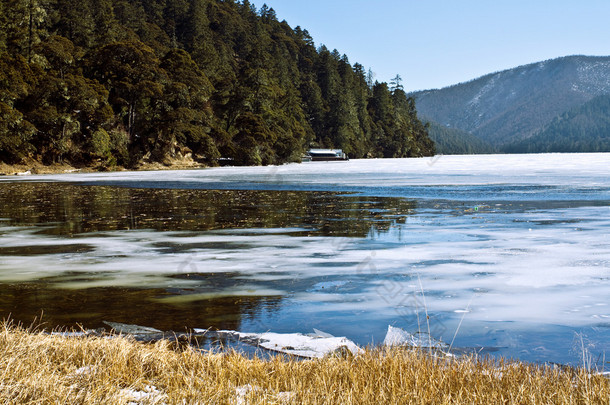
pixel 36 167
pixel 39 368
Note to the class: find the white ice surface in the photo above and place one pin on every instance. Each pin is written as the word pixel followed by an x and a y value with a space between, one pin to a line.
pixel 580 169
pixel 557 274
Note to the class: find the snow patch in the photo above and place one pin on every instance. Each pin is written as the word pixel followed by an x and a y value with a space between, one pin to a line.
pixel 241 394
pixel 148 396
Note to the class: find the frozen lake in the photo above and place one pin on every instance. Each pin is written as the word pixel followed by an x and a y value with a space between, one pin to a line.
pixel 510 253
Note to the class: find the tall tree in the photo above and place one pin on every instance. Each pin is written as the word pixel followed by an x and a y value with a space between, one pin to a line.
pixel 105 24
pixel 3 27
pixel 396 83
pixel 22 25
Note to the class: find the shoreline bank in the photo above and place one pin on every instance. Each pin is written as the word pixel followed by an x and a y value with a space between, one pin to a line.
pixel 34 167
pixel 42 368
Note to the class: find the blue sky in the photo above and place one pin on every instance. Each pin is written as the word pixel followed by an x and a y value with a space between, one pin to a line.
pixel 436 43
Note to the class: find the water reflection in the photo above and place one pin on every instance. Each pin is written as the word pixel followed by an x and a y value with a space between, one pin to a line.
pixel 90 307
pixel 80 249
pixel 73 210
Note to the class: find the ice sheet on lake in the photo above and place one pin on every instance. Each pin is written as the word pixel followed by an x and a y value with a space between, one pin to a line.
pixel 521 267
pixel 431 178
pixel 518 241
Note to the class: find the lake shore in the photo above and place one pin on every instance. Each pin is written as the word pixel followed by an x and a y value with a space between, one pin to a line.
pixel 31 166
pixel 42 368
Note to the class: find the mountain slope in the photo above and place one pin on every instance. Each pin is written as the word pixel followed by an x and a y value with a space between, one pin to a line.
pixel 452 141
pixel 584 129
pixel 512 105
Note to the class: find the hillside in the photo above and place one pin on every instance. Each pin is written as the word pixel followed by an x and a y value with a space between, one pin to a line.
pixel 508 106
pixel 122 82
pixel 583 129
pixel 452 141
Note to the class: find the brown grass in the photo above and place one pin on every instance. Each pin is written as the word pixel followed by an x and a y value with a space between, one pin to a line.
pixel 36 167
pixel 37 368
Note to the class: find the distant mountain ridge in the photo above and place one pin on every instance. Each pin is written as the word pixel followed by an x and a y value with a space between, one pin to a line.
pixel 513 105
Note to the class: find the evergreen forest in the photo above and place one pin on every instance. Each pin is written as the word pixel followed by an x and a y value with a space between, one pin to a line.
pixel 453 141
pixel 118 82
pixel 583 129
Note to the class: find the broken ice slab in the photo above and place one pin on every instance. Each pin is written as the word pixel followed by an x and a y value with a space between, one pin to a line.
pixel 128 329
pixel 72 333
pixel 400 337
pixel 150 335
pixel 319 333
pixel 423 340
pixel 295 344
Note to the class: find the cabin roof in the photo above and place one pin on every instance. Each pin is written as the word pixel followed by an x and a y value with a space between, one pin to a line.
pixel 325 151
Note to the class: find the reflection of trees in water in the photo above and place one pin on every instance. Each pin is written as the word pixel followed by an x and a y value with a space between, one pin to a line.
pixel 89 307
pixel 71 209
pixel 81 209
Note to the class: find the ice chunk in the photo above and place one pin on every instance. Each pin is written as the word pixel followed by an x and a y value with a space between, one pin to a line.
pixel 131 329
pixel 400 337
pixel 295 344
pixel 70 334
pixel 319 333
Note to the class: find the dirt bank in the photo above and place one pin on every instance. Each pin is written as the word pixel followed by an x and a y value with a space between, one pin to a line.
pixel 29 167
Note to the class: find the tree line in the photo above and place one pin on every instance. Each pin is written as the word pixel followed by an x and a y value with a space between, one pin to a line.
pixel 118 81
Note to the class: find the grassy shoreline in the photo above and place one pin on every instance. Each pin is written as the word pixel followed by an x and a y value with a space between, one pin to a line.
pixel 39 368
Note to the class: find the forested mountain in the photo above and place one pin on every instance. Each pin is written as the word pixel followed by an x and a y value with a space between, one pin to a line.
pixel 513 105
pixel 121 81
pixel 453 141
pixel 583 129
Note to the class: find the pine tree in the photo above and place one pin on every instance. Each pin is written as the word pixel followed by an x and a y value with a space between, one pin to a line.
pixel 396 83
pixel 105 24
pixel 3 27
